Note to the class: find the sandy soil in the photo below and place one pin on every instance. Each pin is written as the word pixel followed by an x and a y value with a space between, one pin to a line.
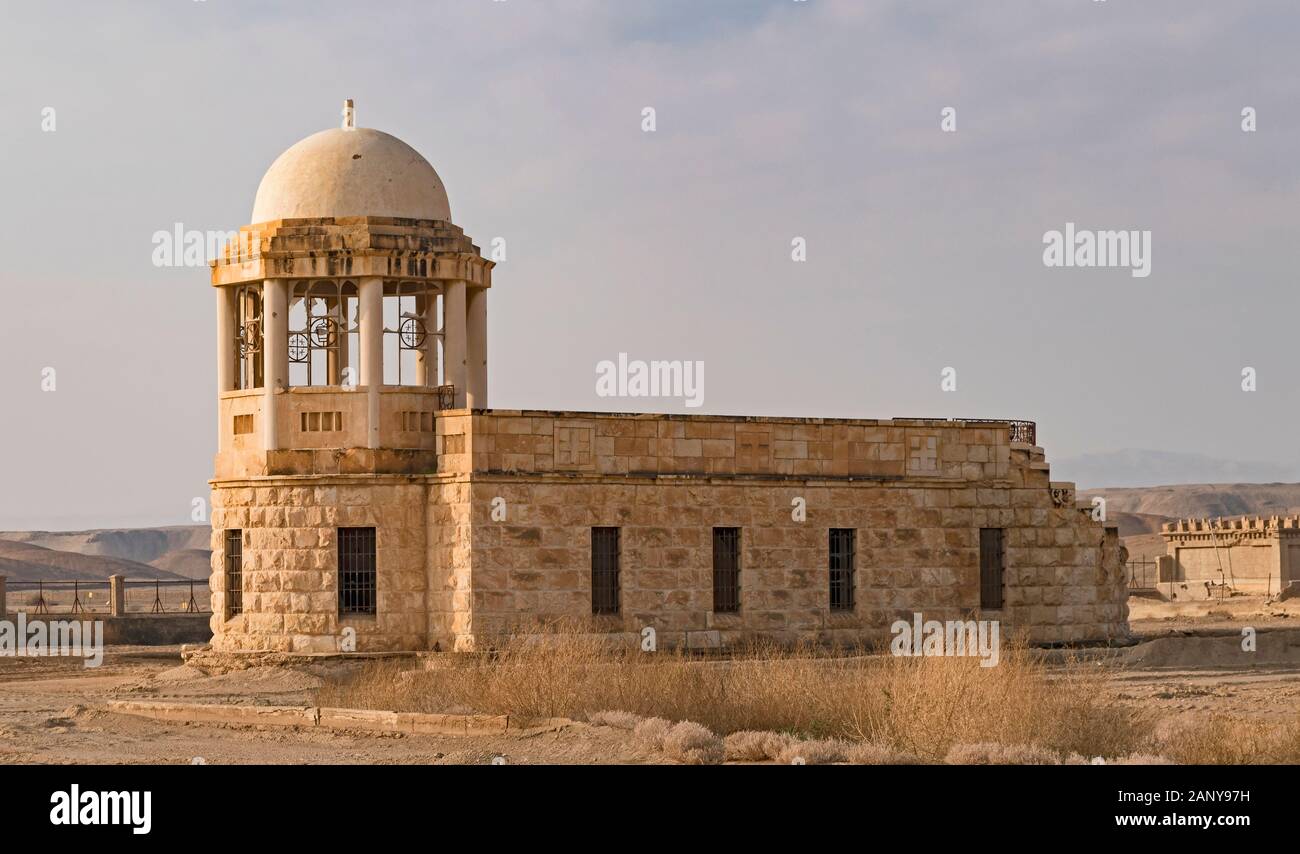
pixel 52 710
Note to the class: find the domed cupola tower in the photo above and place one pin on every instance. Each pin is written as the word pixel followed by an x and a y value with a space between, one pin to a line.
pixel 351 313
pixel 348 312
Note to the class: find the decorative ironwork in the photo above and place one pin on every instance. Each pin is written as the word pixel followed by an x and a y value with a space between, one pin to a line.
pixel 249 335
pixel 1020 431
pixel 299 347
pixel 250 339
pixel 412 333
pixel 1062 496
pixel 322 317
pixel 446 396
pixel 324 332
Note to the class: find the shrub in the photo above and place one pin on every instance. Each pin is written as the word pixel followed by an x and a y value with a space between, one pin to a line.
pixel 650 733
pixel 751 746
pixel 814 752
pixel 693 744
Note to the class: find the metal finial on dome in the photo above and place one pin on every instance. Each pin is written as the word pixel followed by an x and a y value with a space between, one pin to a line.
pixel 349 115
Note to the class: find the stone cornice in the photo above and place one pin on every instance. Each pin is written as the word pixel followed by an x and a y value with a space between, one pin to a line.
pixel 352 247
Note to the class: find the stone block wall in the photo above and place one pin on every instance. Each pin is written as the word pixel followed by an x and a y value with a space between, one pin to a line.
pixel 290 563
pixel 1250 554
pixel 500 534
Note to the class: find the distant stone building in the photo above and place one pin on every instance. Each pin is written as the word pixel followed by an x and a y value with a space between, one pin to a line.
pixel 1250 555
pixel 364 488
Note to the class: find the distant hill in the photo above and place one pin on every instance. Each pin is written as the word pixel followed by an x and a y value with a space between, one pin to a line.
pixel 1135 467
pixel 191 563
pixel 27 562
pixel 1201 500
pixel 181 551
pixel 1140 511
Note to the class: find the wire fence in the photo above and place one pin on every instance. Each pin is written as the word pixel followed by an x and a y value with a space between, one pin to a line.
pixel 1141 573
pixel 140 596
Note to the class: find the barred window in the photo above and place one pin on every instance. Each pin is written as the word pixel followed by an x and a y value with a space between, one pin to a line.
pixel 604 571
pixel 234 573
pixel 991 568
pixel 356 571
pixel 726 570
pixel 842 547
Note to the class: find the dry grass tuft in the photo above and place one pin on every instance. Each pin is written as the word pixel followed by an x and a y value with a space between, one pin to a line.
pixel 751 746
pixel 693 744
pixel 617 720
pixel 918 707
pixel 1227 740
pixel 650 733
pixel 1141 759
pixel 871 753
pixel 1001 754
pixel 824 751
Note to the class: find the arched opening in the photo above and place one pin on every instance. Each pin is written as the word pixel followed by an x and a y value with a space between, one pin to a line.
pixel 248 336
pixel 412 334
pixel 324 338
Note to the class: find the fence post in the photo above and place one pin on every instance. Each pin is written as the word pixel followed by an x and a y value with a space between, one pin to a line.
pixel 117 595
pixel 3 604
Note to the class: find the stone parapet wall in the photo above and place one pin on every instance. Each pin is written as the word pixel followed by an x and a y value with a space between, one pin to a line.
pixel 613 444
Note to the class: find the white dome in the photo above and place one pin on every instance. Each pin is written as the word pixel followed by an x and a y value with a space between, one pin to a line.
pixel 350 172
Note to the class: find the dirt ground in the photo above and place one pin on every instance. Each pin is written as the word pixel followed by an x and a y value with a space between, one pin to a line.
pixel 1189 663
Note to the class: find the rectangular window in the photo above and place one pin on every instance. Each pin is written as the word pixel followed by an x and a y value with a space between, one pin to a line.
pixel 604 571
pixel 243 424
pixel 356 571
pixel 726 570
pixel 991 565
pixel 842 546
pixel 234 573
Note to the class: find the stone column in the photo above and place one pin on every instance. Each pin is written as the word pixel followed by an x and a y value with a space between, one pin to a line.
pixel 116 595
pixel 227 325
pixel 370 317
pixel 426 358
pixel 275 355
pixel 227 377
pixel 454 345
pixel 476 331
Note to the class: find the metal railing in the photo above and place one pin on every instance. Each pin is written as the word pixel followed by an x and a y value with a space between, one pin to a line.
pixel 139 596
pixel 1141 573
pixel 1020 430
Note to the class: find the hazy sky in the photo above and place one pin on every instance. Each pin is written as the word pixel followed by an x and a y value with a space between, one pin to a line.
pixel 775 119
